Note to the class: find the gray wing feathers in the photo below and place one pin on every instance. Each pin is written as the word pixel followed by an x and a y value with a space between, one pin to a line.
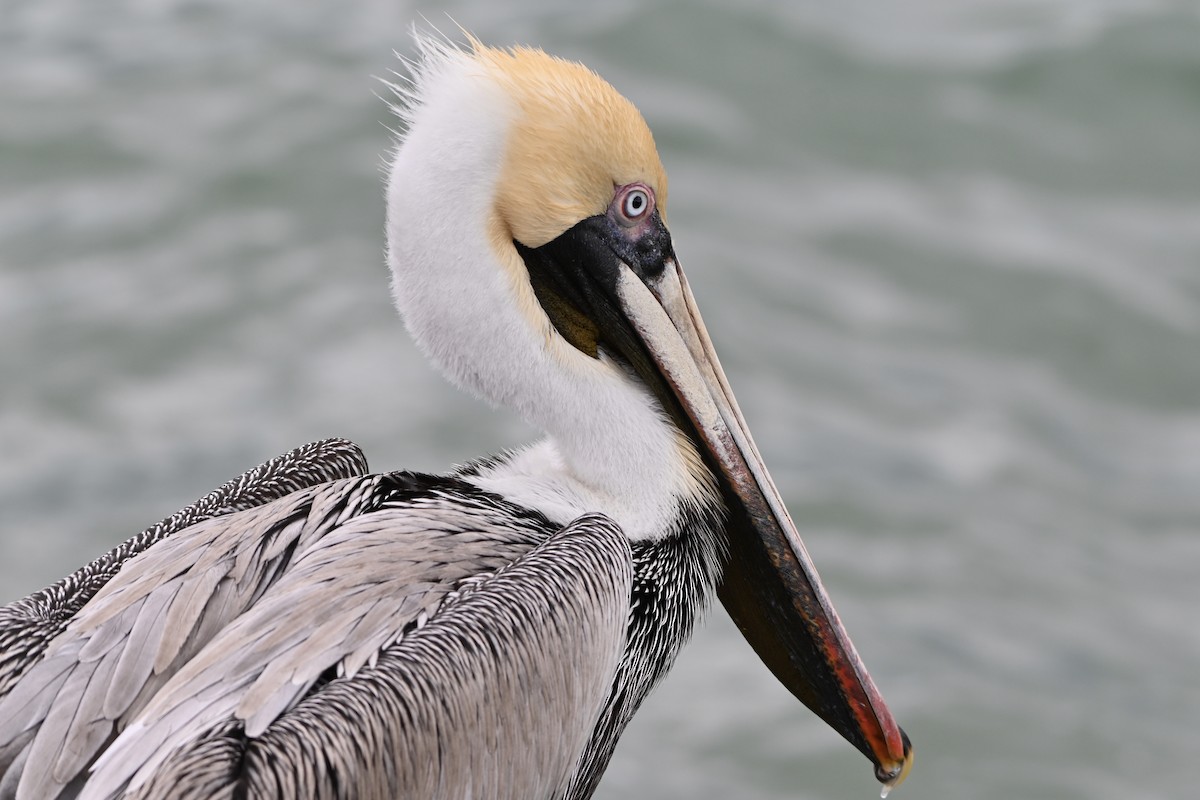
pixel 337 607
pixel 493 697
pixel 161 610
pixel 331 643
pixel 29 624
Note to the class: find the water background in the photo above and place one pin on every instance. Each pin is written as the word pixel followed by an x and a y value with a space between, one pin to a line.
pixel 948 251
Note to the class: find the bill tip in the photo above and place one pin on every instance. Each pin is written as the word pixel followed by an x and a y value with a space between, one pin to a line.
pixel 894 774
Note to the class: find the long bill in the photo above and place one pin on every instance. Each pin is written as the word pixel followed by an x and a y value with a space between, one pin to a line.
pixel 770 586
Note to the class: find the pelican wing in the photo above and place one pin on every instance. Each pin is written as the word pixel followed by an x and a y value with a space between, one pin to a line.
pixel 160 609
pixel 482 687
pixel 230 623
pixel 28 625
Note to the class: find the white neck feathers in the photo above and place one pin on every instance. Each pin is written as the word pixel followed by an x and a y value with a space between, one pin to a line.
pixel 465 297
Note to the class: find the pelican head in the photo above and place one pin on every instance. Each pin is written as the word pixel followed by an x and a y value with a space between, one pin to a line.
pixel 532 263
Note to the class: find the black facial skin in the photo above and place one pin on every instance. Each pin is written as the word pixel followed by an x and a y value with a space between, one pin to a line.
pixel 592 252
pixel 575 280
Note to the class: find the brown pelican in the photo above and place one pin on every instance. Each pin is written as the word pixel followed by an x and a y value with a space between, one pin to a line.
pixel 311 630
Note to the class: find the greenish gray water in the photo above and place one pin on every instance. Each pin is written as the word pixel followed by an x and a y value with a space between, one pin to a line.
pixel 949 252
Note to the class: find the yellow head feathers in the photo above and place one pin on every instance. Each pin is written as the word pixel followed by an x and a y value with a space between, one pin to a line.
pixel 574 140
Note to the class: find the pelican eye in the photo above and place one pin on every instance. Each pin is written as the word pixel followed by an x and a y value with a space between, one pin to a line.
pixel 634 203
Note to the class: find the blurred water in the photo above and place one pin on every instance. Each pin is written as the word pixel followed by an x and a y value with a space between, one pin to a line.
pixel 949 252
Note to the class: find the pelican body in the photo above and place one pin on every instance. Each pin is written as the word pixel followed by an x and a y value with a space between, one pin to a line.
pixel 313 630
